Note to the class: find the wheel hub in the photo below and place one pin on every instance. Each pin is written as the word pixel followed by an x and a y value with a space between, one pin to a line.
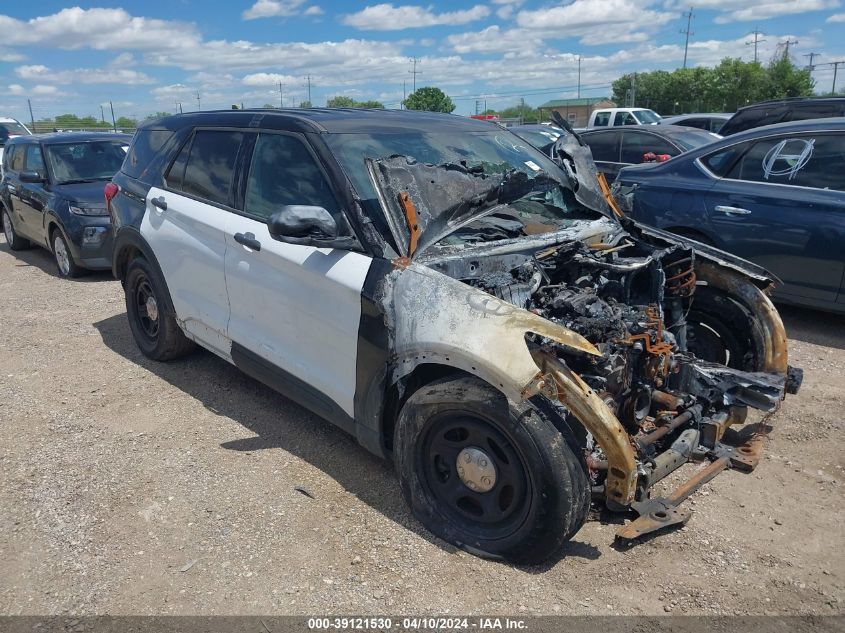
pixel 7 228
pixel 152 308
pixel 62 256
pixel 476 469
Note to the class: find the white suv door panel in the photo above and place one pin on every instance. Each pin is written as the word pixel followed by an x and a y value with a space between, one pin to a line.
pixel 188 240
pixel 298 307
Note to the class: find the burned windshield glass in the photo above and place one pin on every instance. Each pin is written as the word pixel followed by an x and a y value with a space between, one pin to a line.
pixel 499 185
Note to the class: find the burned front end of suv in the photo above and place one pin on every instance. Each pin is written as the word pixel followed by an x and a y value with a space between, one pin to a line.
pixel 650 348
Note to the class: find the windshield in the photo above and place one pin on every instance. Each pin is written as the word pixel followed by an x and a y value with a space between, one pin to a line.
pixel 9 129
pixel 479 186
pixel 690 139
pixel 647 116
pixel 87 161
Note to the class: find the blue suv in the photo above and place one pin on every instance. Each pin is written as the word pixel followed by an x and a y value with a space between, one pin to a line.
pixel 52 196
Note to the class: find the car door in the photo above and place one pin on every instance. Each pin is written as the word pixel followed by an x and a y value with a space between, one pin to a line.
pixel 184 224
pixel 296 309
pixel 780 203
pixel 604 146
pixel 32 195
pixel 14 164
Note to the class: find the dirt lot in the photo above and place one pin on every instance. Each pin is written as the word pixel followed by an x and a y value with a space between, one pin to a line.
pixel 132 487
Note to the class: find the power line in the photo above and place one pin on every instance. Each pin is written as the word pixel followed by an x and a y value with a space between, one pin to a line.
pixel 688 15
pixel 415 72
pixel 756 33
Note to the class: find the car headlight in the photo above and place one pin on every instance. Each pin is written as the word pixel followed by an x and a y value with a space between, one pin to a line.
pixel 89 209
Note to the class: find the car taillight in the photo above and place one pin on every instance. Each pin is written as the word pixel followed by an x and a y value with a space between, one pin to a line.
pixel 110 191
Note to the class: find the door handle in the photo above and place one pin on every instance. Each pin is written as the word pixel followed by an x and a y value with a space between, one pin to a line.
pixel 248 240
pixel 159 202
pixel 732 210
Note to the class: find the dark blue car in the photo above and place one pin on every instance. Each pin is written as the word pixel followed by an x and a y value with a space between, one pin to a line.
pixel 774 195
pixel 52 196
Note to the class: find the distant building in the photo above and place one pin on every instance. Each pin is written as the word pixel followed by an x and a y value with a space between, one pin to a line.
pixel 576 111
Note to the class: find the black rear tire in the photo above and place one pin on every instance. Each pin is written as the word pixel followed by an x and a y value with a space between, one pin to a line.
pixel 539 496
pixel 15 241
pixel 151 314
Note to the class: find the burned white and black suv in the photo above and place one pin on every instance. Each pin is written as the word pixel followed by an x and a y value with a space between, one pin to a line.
pixel 458 302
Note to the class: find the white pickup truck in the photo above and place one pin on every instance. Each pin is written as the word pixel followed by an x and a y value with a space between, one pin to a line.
pixel 607 117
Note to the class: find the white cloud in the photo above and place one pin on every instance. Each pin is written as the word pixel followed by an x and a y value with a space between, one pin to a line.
pixel 507 8
pixel 773 8
pixel 16 89
pixel 270 79
pixel 836 17
pixel 386 17
pixel 101 29
pixel 38 72
pixel 612 21
pixel 11 57
pixel 279 9
pixel 493 39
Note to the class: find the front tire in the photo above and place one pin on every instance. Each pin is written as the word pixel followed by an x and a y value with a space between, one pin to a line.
pixel 152 318
pixel 15 241
pixel 494 478
pixel 65 264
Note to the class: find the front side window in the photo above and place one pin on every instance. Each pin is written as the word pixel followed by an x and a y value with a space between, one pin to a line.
pixel 647 116
pixel 211 164
pixel 8 129
pixel 604 146
pixel 34 161
pixel 283 172
pixel 86 161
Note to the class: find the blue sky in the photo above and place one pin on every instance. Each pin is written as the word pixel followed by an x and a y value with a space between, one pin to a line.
pixel 147 56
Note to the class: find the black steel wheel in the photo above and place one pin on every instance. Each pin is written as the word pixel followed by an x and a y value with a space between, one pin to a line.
pixel 152 318
pixel 475 472
pixel 495 478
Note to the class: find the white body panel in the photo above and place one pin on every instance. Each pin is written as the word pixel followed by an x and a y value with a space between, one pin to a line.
pixel 298 307
pixel 188 240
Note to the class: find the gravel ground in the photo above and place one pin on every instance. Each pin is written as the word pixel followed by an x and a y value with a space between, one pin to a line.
pixel 132 487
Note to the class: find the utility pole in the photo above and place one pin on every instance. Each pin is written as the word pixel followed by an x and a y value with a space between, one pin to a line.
pixel 521 110
pixel 404 96
pixel 113 122
pixel 579 76
pixel 786 44
pixel 308 84
pixel 812 56
pixel 756 33
pixel 281 96
pixel 179 107
pixel 102 113
pixel 688 15
pixel 32 118
pixel 415 72
pixel 835 70
pixel 199 103
pixel 634 90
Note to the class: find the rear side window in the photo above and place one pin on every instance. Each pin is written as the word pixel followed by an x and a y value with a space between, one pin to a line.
pixel 211 165
pixel 602 118
pixel 145 145
pixel 16 160
pixel 284 172
pixel 635 144
pixel 604 146
pixel 721 162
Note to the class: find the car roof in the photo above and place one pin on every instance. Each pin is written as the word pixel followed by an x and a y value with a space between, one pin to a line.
pixel 328 120
pixel 659 130
pixel 791 100
pixel 693 115
pixel 804 125
pixel 69 137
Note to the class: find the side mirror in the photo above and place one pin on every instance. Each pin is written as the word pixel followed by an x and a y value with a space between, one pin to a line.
pixel 31 176
pixel 302 221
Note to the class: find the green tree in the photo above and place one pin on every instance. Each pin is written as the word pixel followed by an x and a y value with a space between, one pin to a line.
pixel 785 80
pixel 157 115
pixel 430 99
pixel 305 104
pixel 369 104
pixel 125 122
pixel 520 111
pixel 340 102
